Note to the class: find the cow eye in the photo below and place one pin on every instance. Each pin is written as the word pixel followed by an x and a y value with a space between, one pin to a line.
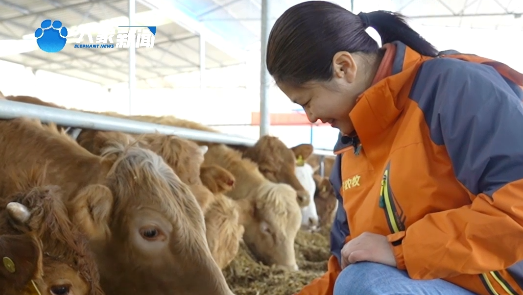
pixel 60 290
pixel 151 233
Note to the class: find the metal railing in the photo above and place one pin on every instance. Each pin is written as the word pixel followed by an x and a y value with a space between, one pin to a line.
pixel 78 119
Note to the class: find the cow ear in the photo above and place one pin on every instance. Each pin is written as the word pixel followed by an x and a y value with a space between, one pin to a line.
pixel 21 259
pixel 217 179
pixel 91 210
pixel 325 185
pixel 304 150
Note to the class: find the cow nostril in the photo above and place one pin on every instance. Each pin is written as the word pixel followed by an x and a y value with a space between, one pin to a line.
pixel 313 221
pixel 303 197
pixel 299 197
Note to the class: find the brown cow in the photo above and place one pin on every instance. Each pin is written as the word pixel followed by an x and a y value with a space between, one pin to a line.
pixel 145 226
pixel 67 265
pixel 269 211
pixel 222 220
pixel 325 200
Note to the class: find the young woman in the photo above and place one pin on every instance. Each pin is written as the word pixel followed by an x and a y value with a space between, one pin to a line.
pixel 429 164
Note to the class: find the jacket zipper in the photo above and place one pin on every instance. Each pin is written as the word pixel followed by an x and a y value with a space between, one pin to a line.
pixel 387 203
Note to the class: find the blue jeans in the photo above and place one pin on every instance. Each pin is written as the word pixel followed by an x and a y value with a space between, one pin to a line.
pixel 369 278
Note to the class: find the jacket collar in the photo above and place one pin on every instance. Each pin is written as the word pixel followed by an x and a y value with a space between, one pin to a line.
pixel 378 107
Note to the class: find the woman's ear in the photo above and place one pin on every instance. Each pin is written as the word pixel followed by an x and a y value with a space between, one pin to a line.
pixel 344 66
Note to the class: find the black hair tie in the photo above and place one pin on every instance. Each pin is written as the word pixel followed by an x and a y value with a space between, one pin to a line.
pixel 364 19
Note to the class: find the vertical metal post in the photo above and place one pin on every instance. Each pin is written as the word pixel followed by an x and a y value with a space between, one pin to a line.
pixel 322 166
pixel 264 74
pixel 312 132
pixel 132 55
pixel 202 61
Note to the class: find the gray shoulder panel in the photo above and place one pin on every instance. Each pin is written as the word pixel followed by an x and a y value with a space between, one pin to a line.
pixel 472 110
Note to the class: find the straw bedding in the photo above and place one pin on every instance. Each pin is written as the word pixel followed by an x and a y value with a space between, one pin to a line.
pixel 247 277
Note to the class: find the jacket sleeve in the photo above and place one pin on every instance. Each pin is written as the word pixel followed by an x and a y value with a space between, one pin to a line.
pixel 340 234
pixel 478 117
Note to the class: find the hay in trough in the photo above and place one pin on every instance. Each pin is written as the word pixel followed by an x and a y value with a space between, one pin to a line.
pixel 248 277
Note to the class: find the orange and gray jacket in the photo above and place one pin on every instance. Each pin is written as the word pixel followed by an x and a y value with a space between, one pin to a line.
pixel 437 167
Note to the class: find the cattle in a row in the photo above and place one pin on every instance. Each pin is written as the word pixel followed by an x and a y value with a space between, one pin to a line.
pixel 233 194
pixel 273 158
pixel 275 161
pixel 144 225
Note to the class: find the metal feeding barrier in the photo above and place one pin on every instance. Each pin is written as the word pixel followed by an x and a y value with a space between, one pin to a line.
pixel 79 119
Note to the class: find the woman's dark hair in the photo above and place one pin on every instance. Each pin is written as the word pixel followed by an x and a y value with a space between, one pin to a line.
pixel 305 38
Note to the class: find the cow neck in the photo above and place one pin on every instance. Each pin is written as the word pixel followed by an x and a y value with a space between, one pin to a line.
pixel 87 168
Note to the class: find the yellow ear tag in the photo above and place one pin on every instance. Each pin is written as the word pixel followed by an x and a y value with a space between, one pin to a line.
pixel 300 161
pixel 9 264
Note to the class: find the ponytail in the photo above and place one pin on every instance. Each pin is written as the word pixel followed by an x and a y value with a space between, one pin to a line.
pixel 392 27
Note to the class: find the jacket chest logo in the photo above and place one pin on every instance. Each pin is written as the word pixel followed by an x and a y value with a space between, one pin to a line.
pixel 351 182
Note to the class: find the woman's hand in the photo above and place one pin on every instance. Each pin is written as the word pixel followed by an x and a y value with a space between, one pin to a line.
pixel 368 247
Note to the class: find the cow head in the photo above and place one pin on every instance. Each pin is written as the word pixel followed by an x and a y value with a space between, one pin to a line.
pixel 272 219
pixel 309 219
pixel 146 228
pixel 68 267
pixel 325 200
pixel 277 163
pixel 222 220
